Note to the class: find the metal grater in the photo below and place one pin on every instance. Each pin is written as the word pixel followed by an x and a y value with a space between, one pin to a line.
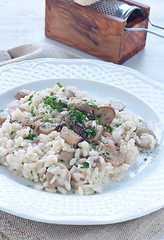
pixel 115 8
pixel 123 10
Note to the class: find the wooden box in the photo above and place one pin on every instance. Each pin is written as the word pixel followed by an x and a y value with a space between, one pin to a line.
pixel 94 32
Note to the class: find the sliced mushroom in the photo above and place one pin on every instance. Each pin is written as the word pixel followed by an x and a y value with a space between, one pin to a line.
pixel 107 135
pixel 80 104
pixel 105 115
pixel 117 105
pixel 70 136
pixel 3 116
pixel 22 94
pixel 142 123
pixel 65 157
pixel 61 177
pixel 27 122
pixel 36 125
pixel 44 128
pixel 112 154
pixel 79 129
pixel 139 132
pixel 99 130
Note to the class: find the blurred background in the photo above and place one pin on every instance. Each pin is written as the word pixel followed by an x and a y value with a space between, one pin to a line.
pixel 22 22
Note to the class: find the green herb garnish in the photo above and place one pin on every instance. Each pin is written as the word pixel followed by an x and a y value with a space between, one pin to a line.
pixel 94 147
pixel 54 104
pixel 12 132
pixel 47 120
pixel 79 117
pixel 85 165
pixel 30 136
pixel 20 147
pixel 99 115
pixel 108 127
pixel 91 132
pixel 30 97
pixel 59 84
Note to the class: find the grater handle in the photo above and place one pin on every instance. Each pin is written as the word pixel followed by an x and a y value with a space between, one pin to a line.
pixel 143 30
pixel 154 25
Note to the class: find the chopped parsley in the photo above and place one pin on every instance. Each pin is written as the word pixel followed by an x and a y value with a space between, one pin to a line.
pixel 90 104
pixel 12 132
pixel 79 117
pixel 91 116
pixel 31 96
pixel 54 104
pixel 47 120
pixel 118 125
pixel 118 149
pixel 85 165
pixel 31 172
pixel 30 103
pixel 62 160
pixel 59 84
pixel 99 115
pixel 91 132
pixel 108 127
pixel 94 147
pixel 30 136
pixel 20 147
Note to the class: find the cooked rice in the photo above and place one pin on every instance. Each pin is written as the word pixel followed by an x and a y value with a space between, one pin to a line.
pixel 38 159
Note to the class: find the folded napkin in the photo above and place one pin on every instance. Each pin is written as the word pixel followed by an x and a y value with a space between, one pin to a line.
pixel 32 51
pixel 150 227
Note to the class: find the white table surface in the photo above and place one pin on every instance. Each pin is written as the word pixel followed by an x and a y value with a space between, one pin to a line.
pixel 22 21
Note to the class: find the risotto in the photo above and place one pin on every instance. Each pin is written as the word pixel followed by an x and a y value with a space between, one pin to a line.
pixel 63 139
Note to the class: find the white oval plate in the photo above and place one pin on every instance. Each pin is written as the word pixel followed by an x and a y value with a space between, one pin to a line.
pixel 141 193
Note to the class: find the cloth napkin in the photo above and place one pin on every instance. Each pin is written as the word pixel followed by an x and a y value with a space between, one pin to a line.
pixel 32 51
pixel 149 227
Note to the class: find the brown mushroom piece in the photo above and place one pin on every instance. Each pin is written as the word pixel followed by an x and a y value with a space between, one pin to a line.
pixel 44 128
pixel 27 122
pixel 66 177
pixel 70 136
pixel 47 128
pixel 107 135
pixel 80 104
pixel 139 132
pixel 112 154
pixel 65 157
pixel 105 115
pixel 79 129
pixel 117 105
pixel 3 116
pixel 21 94
pixel 99 130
